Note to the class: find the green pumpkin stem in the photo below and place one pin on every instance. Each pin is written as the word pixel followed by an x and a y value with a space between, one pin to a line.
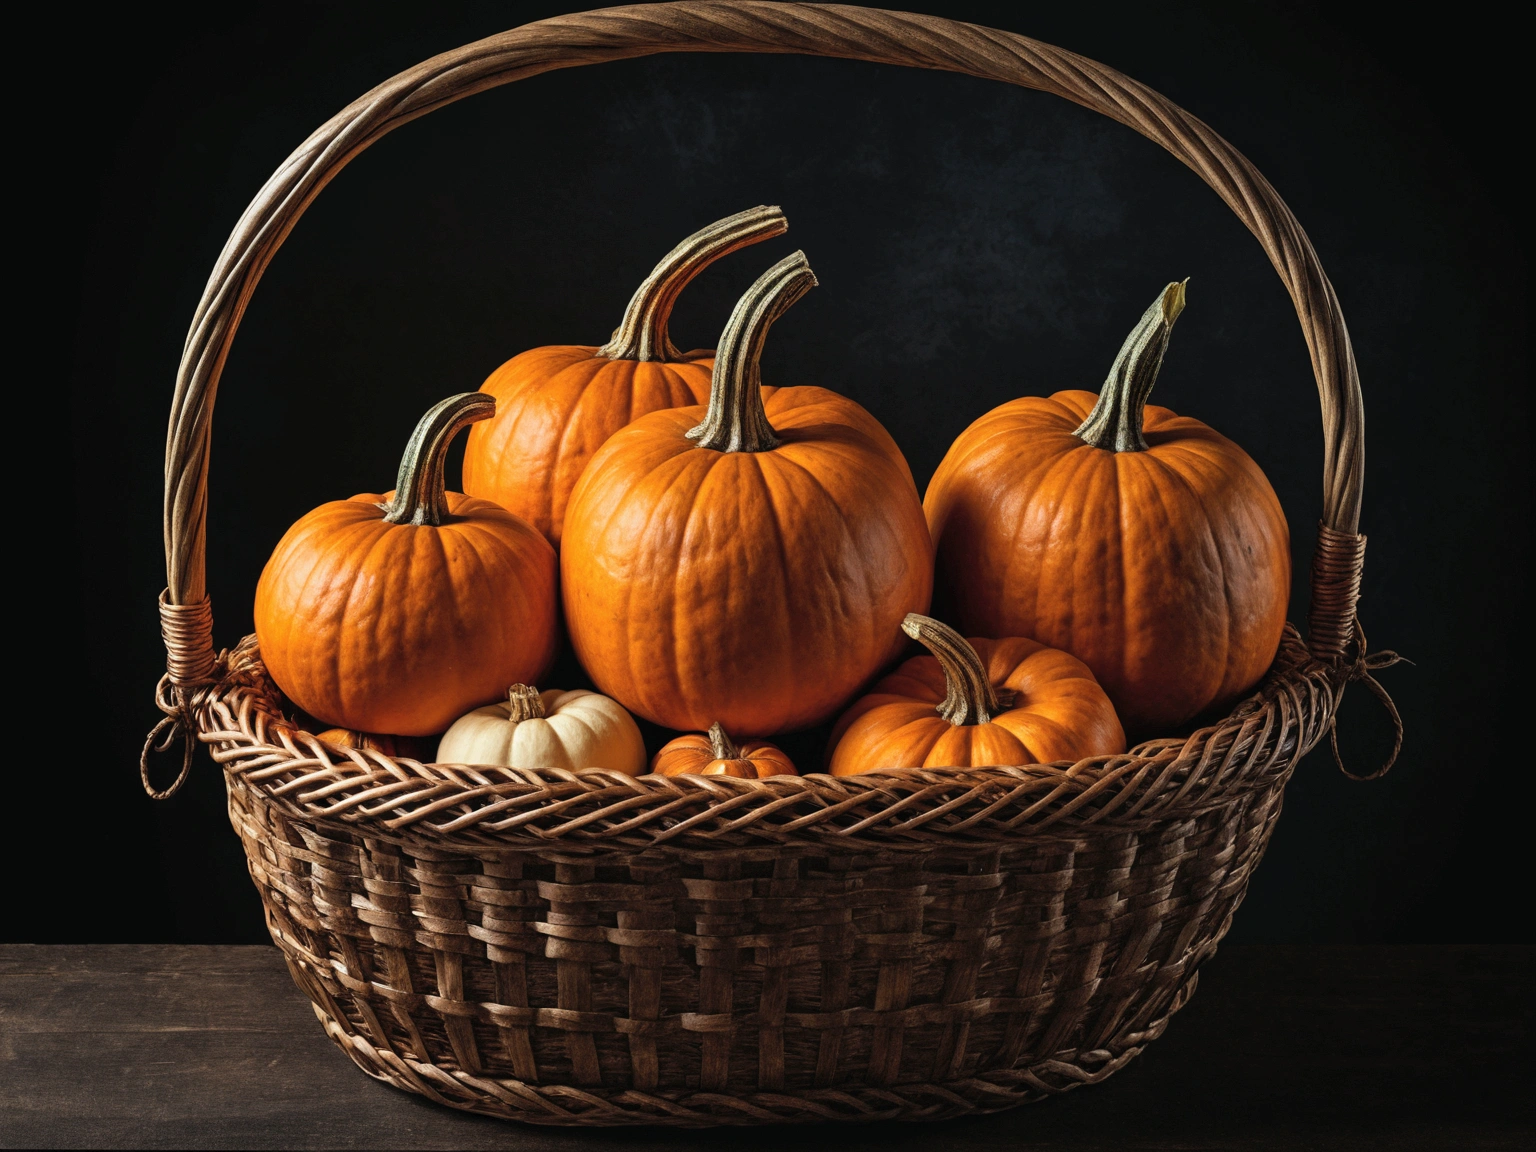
pixel 736 421
pixel 1115 422
pixel 420 497
pixel 642 334
pixel 524 703
pixel 970 697
pixel 720 744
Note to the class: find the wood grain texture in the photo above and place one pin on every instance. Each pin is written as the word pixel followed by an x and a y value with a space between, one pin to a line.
pixel 117 1046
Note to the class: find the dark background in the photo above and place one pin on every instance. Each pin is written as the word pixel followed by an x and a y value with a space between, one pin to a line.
pixel 973 241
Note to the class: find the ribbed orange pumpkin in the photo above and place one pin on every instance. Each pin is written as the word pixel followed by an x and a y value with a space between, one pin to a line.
pixel 557 405
pixel 717 755
pixel 752 570
pixel 1144 543
pixel 976 703
pixel 400 612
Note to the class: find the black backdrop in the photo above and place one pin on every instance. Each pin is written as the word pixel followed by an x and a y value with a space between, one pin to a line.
pixel 973 242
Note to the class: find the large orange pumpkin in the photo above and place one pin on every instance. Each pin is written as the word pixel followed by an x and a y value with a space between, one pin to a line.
pixel 753 568
pixel 1145 543
pixel 556 406
pixel 975 703
pixel 716 754
pixel 400 612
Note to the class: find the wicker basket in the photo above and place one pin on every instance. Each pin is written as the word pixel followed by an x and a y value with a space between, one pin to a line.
pixel 590 949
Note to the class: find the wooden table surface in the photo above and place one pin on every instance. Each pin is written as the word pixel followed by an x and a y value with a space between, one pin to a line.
pixel 123 1046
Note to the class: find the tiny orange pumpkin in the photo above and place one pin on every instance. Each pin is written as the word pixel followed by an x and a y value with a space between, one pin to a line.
pixel 717 755
pixel 411 747
pixel 976 703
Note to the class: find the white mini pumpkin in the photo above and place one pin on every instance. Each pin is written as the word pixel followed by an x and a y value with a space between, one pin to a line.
pixel 553 729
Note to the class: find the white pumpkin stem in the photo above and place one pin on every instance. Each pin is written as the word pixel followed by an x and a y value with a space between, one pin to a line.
pixel 720 744
pixel 420 496
pixel 970 697
pixel 736 421
pixel 1115 422
pixel 524 703
pixel 642 334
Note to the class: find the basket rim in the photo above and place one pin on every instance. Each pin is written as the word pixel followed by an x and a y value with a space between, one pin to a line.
pixel 473 808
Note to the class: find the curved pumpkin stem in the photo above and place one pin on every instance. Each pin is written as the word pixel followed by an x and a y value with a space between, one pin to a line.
pixel 970 697
pixel 736 421
pixel 420 497
pixel 524 703
pixel 642 334
pixel 720 744
pixel 1115 422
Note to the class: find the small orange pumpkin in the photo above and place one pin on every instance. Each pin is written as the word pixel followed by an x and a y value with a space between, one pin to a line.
pixel 749 563
pixel 411 747
pixel 976 703
pixel 400 612
pixel 716 755
pixel 1145 543
pixel 557 405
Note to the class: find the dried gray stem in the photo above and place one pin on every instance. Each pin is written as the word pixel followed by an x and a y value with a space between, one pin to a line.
pixel 720 744
pixel 420 497
pixel 970 697
pixel 642 334
pixel 524 703
pixel 1115 422
pixel 736 421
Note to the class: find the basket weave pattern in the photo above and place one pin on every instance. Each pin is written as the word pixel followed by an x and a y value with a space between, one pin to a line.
pixel 589 948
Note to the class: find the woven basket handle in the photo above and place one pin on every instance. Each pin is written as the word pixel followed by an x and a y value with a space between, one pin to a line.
pixel 727 26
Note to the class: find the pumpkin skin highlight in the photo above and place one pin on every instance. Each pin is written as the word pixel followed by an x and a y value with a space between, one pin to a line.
pixel 557 405
pixel 698 754
pixel 1166 571
pixel 401 628
pixel 757 588
pixel 1058 711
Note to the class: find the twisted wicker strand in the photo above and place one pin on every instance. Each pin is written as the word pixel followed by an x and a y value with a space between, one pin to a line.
pixel 191 667
pixel 1337 567
pixel 1334 628
pixel 188 633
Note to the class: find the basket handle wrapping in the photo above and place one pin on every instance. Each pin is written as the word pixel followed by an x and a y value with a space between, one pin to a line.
pixel 734 26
